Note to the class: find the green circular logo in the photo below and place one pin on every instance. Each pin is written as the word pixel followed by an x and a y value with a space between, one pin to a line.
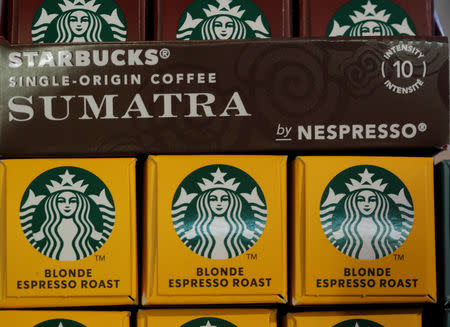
pixel 370 18
pixel 219 211
pixel 358 323
pixel 222 20
pixel 366 212
pixel 67 213
pixel 59 323
pixel 58 21
pixel 208 322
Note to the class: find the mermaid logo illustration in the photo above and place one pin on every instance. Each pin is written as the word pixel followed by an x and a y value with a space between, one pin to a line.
pixel 67 213
pixel 358 323
pixel 366 212
pixel 208 322
pixel 222 20
pixel 70 21
pixel 219 217
pixel 371 18
pixel 59 323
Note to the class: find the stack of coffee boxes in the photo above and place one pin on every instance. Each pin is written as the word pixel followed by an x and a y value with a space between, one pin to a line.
pixel 276 238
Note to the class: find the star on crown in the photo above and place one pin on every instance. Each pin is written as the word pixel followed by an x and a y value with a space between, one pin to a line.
pixel 218 182
pixel 208 324
pixel 224 9
pixel 79 4
pixel 370 14
pixel 366 183
pixel 67 184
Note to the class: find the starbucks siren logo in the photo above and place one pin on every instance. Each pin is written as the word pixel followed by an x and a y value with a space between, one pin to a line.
pixel 208 322
pixel 358 323
pixel 67 213
pixel 370 18
pixel 59 323
pixel 222 20
pixel 366 212
pixel 58 21
pixel 219 211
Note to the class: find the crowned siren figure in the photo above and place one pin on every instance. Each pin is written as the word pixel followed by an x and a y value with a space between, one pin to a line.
pixel 223 22
pixel 371 22
pixel 67 231
pixel 220 229
pixel 79 21
pixel 360 223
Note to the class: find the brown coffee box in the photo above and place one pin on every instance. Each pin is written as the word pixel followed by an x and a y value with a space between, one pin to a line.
pixel 221 19
pixel 2 19
pixel 366 18
pixel 70 21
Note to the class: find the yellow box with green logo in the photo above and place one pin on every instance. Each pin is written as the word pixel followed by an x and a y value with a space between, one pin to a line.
pixel 64 319
pixel 215 230
pixel 208 318
pixel 388 318
pixel 363 230
pixel 68 232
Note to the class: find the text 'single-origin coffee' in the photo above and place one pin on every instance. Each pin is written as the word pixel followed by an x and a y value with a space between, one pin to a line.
pixel 71 21
pixel 68 232
pixel 443 227
pixel 363 230
pixel 387 318
pixel 208 318
pixel 366 18
pixel 64 319
pixel 215 230
pixel 222 19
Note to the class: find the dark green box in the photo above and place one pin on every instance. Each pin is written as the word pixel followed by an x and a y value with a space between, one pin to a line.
pixel 443 229
pixel 447 318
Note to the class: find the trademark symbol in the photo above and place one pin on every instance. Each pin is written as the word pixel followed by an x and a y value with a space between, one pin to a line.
pixel 252 256
pixel 100 258
pixel 164 53
pixel 422 127
pixel 399 257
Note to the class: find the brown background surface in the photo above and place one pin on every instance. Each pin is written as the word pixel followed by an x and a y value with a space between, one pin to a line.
pixel 167 13
pixel 315 15
pixel 21 15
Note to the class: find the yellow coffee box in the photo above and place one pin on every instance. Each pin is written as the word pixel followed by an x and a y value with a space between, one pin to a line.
pixel 409 318
pixel 68 232
pixel 215 230
pixel 363 230
pixel 64 319
pixel 208 318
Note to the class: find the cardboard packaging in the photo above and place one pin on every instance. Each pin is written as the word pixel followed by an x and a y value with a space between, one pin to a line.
pixel 68 233
pixel 443 228
pixel 447 318
pixel 2 19
pixel 277 95
pixel 72 21
pixel 208 317
pixel 363 230
pixel 389 318
pixel 366 18
pixel 222 19
pixel 64 319
pixel 215 230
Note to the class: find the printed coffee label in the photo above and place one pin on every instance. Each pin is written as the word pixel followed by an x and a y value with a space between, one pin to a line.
pixel 58 21
pixel 370 18
pixel 219 212
pixel 366 212
pixel 223 20
pixel 67 213
pixel 59 323
pixel 358 323
pixel 208 322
